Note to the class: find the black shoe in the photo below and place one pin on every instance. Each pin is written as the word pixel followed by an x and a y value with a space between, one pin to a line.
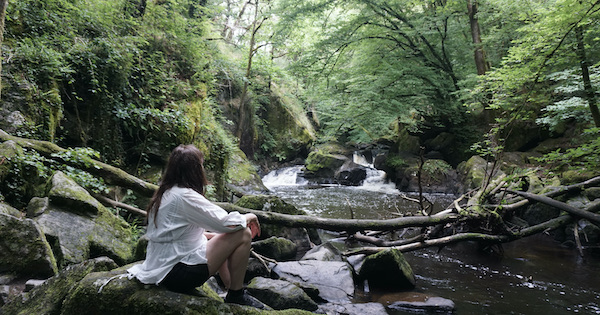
pixel 242 297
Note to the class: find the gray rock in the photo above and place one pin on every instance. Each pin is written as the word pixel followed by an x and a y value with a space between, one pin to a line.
pixel 280 294
pixel 77 238
pixel 66 192
pixel 352 309
pixel 24 249
pixel 433 304
pixel 323 252
pixel 37 206
pixel 278 248
pixel 333 279
pixel 7 209
pixel 388 270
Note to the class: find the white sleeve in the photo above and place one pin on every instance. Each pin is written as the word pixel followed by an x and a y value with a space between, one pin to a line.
pixel 202 212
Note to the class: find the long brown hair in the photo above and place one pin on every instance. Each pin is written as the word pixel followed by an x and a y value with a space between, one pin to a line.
pixel 184 169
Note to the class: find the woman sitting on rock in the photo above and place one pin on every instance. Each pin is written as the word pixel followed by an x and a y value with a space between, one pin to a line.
pixel 179 254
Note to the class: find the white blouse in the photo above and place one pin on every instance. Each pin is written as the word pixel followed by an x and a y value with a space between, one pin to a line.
pixel 178 235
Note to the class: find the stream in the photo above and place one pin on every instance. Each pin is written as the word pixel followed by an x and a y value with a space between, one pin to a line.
pixel 534 276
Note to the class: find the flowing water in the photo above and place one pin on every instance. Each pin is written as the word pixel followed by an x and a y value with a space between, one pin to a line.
pixel 534 276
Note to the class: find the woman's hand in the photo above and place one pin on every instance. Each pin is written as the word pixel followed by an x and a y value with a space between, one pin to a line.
pixel 252 223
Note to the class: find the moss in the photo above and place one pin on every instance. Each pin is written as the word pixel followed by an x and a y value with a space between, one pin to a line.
pixel 318 161
pixel 388 269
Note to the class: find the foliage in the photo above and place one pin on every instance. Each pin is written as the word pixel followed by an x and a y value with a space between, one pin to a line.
pixel 89 66
pixel 582 157
pixel 436 167
pixel 368 63
pixel 30 172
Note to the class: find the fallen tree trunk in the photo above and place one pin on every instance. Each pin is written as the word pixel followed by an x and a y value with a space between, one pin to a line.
pixel 559 205
pixel 351 225
pixel 481 237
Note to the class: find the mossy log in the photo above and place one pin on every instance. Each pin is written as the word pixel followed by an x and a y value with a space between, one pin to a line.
pixel 111 174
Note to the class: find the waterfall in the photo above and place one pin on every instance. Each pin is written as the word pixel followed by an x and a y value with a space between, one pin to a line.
pixel 284 177
pixel 376 179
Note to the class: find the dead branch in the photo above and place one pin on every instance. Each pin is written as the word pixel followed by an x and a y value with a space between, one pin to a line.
pixel 560 205
pixel 442 241
pixel 113 203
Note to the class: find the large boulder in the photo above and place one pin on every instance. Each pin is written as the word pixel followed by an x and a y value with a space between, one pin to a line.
pixel 23 247
pixel 322 166
pixel 352 308
pixel 324 252
pixel 88 288
pixel 350 174
pixel 474 171
pixel 388 270
pixel 48 297
pixel 277 248
pixel 280 294
pixel 333 279
pixel 75 234
pixel 63 191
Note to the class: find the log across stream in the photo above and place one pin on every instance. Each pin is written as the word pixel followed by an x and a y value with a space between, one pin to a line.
pixel 534 276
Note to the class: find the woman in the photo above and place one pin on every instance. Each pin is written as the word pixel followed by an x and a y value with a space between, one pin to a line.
pixel 179 254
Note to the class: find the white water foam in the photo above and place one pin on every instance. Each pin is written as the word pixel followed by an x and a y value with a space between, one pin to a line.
pixel 287 176
pixel 376 179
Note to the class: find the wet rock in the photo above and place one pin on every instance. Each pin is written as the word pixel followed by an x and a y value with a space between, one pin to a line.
pixel 434 304
pixel 388 270
pixel 352 308
pixel 592 193
pixel 323 252
pixel 48 297
pixel 333 279
pixel 322 166
pixel 24 248
pixel 280 294
pixel 538 213
pixel 278 248
pixel 66 192
pixel 256 268
pixel 350 174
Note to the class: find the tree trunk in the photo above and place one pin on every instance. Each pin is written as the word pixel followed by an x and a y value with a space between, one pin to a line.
pixel 480 61
pixel 3 6
pixel 245 131
pixel 585 74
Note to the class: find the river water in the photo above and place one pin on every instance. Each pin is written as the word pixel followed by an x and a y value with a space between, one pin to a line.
pixel 534 276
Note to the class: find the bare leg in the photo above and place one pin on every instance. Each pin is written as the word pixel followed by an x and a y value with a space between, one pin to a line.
pixel 231 250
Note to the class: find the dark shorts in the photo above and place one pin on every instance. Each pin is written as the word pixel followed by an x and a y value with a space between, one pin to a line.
pixel 184 278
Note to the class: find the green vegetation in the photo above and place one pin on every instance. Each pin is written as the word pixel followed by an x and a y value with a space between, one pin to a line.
pixel 131 79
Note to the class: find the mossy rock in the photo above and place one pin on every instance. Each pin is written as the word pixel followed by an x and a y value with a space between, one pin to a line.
pixel 322 164
pixel 48 297
pixel 8 149
pixel 24 248
pixel 277 248
pixel 113 293
pixel 64 191
pixel 388 270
